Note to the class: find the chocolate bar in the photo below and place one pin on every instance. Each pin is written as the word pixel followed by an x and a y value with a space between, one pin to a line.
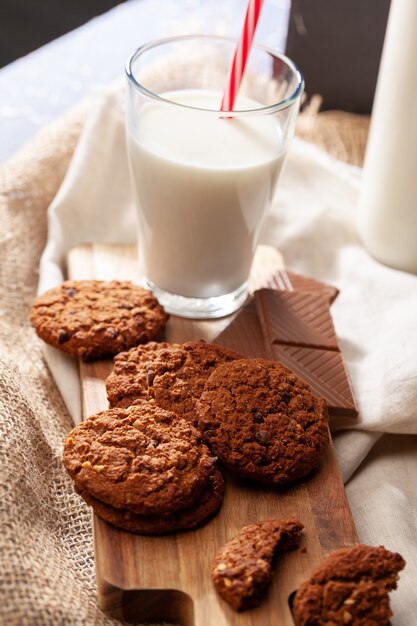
pixel 304 318
pixel 295 327
pixel 290 281
pixel 244 334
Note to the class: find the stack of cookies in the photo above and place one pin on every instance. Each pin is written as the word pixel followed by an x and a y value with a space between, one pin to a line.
pixel 144 469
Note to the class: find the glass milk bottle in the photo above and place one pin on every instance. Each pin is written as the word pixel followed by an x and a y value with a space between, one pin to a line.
pixel 387 215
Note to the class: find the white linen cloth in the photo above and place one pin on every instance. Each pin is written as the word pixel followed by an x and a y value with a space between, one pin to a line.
pixel 312 222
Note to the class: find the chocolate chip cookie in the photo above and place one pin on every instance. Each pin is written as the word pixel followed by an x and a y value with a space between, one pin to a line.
pixel 143 459
pixel 350 588
pixel 262 421
pixel 242 568
pixel 171 374
pixel 134 372
pixel 93 318
pixel 206 505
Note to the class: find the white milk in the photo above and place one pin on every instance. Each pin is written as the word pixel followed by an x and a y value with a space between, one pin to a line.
pixel 387 215
pixel 203 185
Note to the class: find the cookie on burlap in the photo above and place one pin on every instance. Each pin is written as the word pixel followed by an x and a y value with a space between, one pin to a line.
pixel 206 505
pixel 349 588
pixel 93 318
pixel 173 375
pixel 262 421
pixel 242 568
pixel 143 458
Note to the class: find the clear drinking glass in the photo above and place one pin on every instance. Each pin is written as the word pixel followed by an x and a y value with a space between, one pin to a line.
pixel 204 179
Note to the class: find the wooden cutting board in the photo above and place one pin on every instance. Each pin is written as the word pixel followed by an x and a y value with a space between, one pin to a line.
pixel 167 579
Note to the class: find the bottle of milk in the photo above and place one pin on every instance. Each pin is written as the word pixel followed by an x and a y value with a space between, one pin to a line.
pixel 387 216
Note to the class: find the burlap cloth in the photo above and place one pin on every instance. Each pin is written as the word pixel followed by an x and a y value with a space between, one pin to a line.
pixel 47 567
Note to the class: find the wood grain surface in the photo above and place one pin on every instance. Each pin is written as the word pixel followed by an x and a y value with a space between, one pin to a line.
pixel 167 579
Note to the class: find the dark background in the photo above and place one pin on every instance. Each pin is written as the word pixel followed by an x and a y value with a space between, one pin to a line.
pixel 28 24
pixel 337 43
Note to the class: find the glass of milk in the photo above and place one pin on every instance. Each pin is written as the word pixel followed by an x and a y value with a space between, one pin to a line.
pixel 204 179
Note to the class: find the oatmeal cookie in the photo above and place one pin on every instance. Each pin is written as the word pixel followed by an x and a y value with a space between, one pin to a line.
pixel 349 588
pixel 134 372
pixel 171 374
pixel 242 568
pixel 143 458
pixel 262 421
pixel 205 506
pixel 93 318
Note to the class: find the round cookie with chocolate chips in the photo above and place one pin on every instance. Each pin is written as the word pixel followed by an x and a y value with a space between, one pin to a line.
pixel 349 588
pixel 143 458
pixel 93 318
pixel 173 375
pixel 203 509
pixel 134 372
pixel 262 421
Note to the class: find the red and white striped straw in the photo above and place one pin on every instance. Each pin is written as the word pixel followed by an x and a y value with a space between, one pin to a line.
pixel 241 55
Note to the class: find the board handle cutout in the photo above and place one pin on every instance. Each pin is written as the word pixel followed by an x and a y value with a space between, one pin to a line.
pixel 291 602
pixel 150 606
